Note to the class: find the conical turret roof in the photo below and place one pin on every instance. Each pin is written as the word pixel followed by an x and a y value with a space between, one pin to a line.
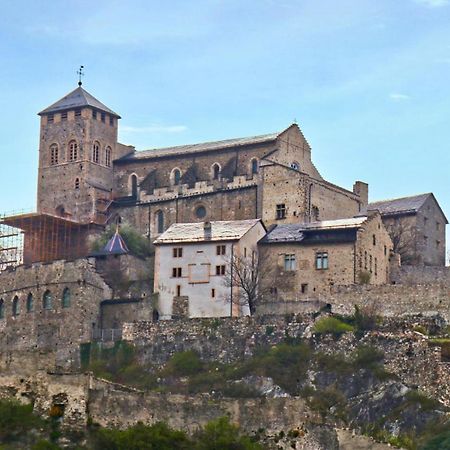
pixel 115 246
pixel 78 98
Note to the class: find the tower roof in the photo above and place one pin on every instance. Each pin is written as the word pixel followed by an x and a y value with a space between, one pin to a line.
pixel 78 98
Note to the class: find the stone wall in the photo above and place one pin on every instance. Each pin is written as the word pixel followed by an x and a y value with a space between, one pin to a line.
pixel 413 275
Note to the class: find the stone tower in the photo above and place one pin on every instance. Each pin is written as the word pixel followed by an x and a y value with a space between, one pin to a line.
pixel 78 142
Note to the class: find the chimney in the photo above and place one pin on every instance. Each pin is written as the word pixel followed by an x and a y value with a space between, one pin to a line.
pixel 362 189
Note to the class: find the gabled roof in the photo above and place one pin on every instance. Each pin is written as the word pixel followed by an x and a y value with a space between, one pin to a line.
pixel 403 205
pixel 307 232
pixel 230 230
pixel 198 148
pixel 78 98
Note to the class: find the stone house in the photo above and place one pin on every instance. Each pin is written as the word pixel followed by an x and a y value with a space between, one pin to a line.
pixel 310 258
pixel 417 228
pixel 192 267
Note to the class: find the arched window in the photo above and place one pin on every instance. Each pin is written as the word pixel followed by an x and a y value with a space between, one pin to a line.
pixel 108 153
pixel 96 152
pixel 2 309
pixel 30 302
pixel 295 165
pixel 134 185
pixel 77 183
pixel 54 154
pixel 215 170
pixel 73 151
pixel 47 300
pixel 176 176
pixel 254 166
pixel 15 306
pixel 66 298
pixel 160 221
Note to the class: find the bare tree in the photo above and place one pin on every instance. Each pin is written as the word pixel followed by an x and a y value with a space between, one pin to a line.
pixel 404 240
pixel 243 276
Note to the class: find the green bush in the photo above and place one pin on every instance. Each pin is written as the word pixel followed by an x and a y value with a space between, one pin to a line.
pixel 220 434
pixel 439 442
pixel 16 419
pixel 323 400
pixel 331 325
pixel 364 319
pixel 426 403
pixel 136 243
pixel 184 364
pixel 367 357
pixel 45 445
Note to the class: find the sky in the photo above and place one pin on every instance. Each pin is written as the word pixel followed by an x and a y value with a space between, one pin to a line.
pixel 367 81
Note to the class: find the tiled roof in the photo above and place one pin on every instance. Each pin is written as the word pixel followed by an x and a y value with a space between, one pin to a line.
pixel 77 99
pixel 198 148
pixel 197 232
pixel 297 232
pixel 399 205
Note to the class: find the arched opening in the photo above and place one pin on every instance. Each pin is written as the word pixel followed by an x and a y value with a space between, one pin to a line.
pixel 66 298
pixel 73 151
pixel 60 210
pixel 133 185
pixel 15 306
pixel 2 309
pixel 255 166
pixel 160 221
pixel 215 171
pixel 295 165
pixel 47 300
pixel 30 302
pixel 176 176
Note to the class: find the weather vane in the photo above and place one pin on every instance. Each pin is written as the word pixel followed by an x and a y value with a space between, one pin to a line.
pixel 80 74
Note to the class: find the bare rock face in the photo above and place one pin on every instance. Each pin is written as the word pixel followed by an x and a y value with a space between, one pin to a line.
pixel 264 386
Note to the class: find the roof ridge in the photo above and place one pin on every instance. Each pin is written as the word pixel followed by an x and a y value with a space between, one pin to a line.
pixel 401 198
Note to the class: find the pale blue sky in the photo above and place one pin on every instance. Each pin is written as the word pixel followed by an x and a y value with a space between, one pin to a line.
pixel 367 81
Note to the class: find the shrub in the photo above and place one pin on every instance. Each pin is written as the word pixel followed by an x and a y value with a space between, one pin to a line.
pixel 16 418
pixel 323 400
pixel 426 403
pixel 364 318
pixel 221 434
pixel 331 325
pixel 45 445
pixel 439 442
pixel 184 364
pixel 367 357
pixel 364 277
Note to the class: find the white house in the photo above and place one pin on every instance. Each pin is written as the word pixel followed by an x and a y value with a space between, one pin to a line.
pixel 191 266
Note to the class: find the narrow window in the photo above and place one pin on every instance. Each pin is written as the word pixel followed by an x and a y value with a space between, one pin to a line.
pixel 160 221
pixel 304 288
pixel 376 267
pixel 273 290
pixel 15 306
pixel 108 156
pixel 64 116
pixel 94 114
pixel 220 270
pixel 96 152
pixel 103 117
pixel 321 260
pixel 178 252
pixel 77 183
pixel 370 263
pixel 178 290
pixel 177 272
pixel 78 112
pixel 213 293
pixel 30 302
pixel 289 262
pixel 111 120
pixel 374 240
pixel 281 211
pixel 220 250
pixel 365 260
pixel 50 118
pixel 385 250
pixel 2 309
pixel 73 151
pixel 54 154
pixel 216 171
pixel 254 166
pixel 47 300
pixel 176 177
pixel 66 298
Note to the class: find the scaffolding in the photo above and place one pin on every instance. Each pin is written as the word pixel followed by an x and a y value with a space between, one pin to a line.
pixel 26 238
